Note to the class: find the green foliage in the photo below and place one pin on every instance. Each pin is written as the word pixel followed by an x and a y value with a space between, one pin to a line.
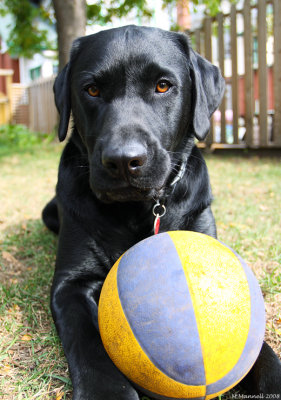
pixel 212 7
pixel 102 12
pixel 20 138
pixel 26 37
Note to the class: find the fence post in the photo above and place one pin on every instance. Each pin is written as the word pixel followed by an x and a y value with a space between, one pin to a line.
pixel 249 82
pixel 262 72
pixel 197 41
pixel 208 55
pixel 277 73
pixel 234 77
pixel 208 38
pixel 221 64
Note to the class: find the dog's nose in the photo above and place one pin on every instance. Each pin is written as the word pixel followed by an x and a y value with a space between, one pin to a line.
pixel 124 160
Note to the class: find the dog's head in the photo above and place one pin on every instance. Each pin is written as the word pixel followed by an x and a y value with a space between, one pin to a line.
pixel 137 96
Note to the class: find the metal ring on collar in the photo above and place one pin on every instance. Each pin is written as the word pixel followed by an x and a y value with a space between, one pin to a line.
pixel 159 214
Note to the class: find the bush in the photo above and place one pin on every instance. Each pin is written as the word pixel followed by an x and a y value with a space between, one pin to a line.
pixel 20 137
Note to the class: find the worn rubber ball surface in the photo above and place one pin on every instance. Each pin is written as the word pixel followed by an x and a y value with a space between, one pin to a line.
pixel 182 316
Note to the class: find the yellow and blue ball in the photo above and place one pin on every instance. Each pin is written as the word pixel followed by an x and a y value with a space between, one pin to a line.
pixel 182 316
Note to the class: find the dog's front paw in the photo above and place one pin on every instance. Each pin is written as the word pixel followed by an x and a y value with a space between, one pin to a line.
pixel 265 377
pixel 124 391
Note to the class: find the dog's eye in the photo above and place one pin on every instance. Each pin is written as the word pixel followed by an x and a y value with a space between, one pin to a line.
pixel 162 86
pixel 93 91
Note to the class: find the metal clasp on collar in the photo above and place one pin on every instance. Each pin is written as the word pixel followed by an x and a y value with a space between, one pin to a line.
pixel 180 173
pixel 159 210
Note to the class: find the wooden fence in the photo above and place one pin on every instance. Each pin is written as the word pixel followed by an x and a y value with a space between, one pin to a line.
pixel 246 45
pixel 43 115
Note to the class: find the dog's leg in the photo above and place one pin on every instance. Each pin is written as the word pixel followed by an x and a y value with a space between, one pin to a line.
pixel 203 223
pixel 50 216
pixel 265 376
pixel 94 376
pixel 78 279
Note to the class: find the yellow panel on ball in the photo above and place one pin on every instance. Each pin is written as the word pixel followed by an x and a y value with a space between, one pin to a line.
pixel 182 316
pixel 216 280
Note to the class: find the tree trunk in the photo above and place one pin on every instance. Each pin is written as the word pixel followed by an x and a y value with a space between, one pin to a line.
pixel 71 23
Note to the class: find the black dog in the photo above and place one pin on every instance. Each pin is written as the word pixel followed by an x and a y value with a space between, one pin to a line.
pixel 138 97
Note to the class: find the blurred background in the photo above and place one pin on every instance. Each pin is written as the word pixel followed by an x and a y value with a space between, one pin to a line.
pixel 241 37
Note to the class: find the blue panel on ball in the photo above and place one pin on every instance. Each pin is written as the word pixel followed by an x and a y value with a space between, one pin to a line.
pixel 158 396
pixel 255 336
pixel 156 301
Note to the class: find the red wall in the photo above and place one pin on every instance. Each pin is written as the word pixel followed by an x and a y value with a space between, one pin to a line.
pixel 6 62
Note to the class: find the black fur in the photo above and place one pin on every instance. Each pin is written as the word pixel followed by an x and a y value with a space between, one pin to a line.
pixel 126 147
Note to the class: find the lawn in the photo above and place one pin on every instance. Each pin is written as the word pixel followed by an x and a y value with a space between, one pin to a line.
pixel 247 198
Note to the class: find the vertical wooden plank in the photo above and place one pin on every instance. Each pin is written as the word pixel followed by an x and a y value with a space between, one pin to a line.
pixel 53 111
pixel 40 93
pixel 208 55
pixel 208 38
pixel 50 109
pixel 262 72
pixel 30 107
pixel 35 106
pixel 234 78
pixel 45 127
pixel 249 82
pixel 221 64
pixel 197 40
pixel 277 73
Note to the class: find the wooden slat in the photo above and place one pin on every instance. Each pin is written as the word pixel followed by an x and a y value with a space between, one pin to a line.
pixel 277 73
pixel 262 72
pixel 248 87
pixel 197 40
pixel 225 146
pixel 208 38
pixel 30 107
pixel 208 55
pixel 234 79
pixel 221 64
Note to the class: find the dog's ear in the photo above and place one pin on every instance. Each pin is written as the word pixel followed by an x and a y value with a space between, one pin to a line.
pixel 62 100
pixel 208 88
pixel 63 93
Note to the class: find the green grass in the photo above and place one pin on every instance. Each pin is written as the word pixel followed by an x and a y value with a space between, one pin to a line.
pixel 32 360
pixel 247 202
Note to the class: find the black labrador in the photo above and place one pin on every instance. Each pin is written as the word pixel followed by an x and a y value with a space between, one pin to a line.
pixel 138 96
